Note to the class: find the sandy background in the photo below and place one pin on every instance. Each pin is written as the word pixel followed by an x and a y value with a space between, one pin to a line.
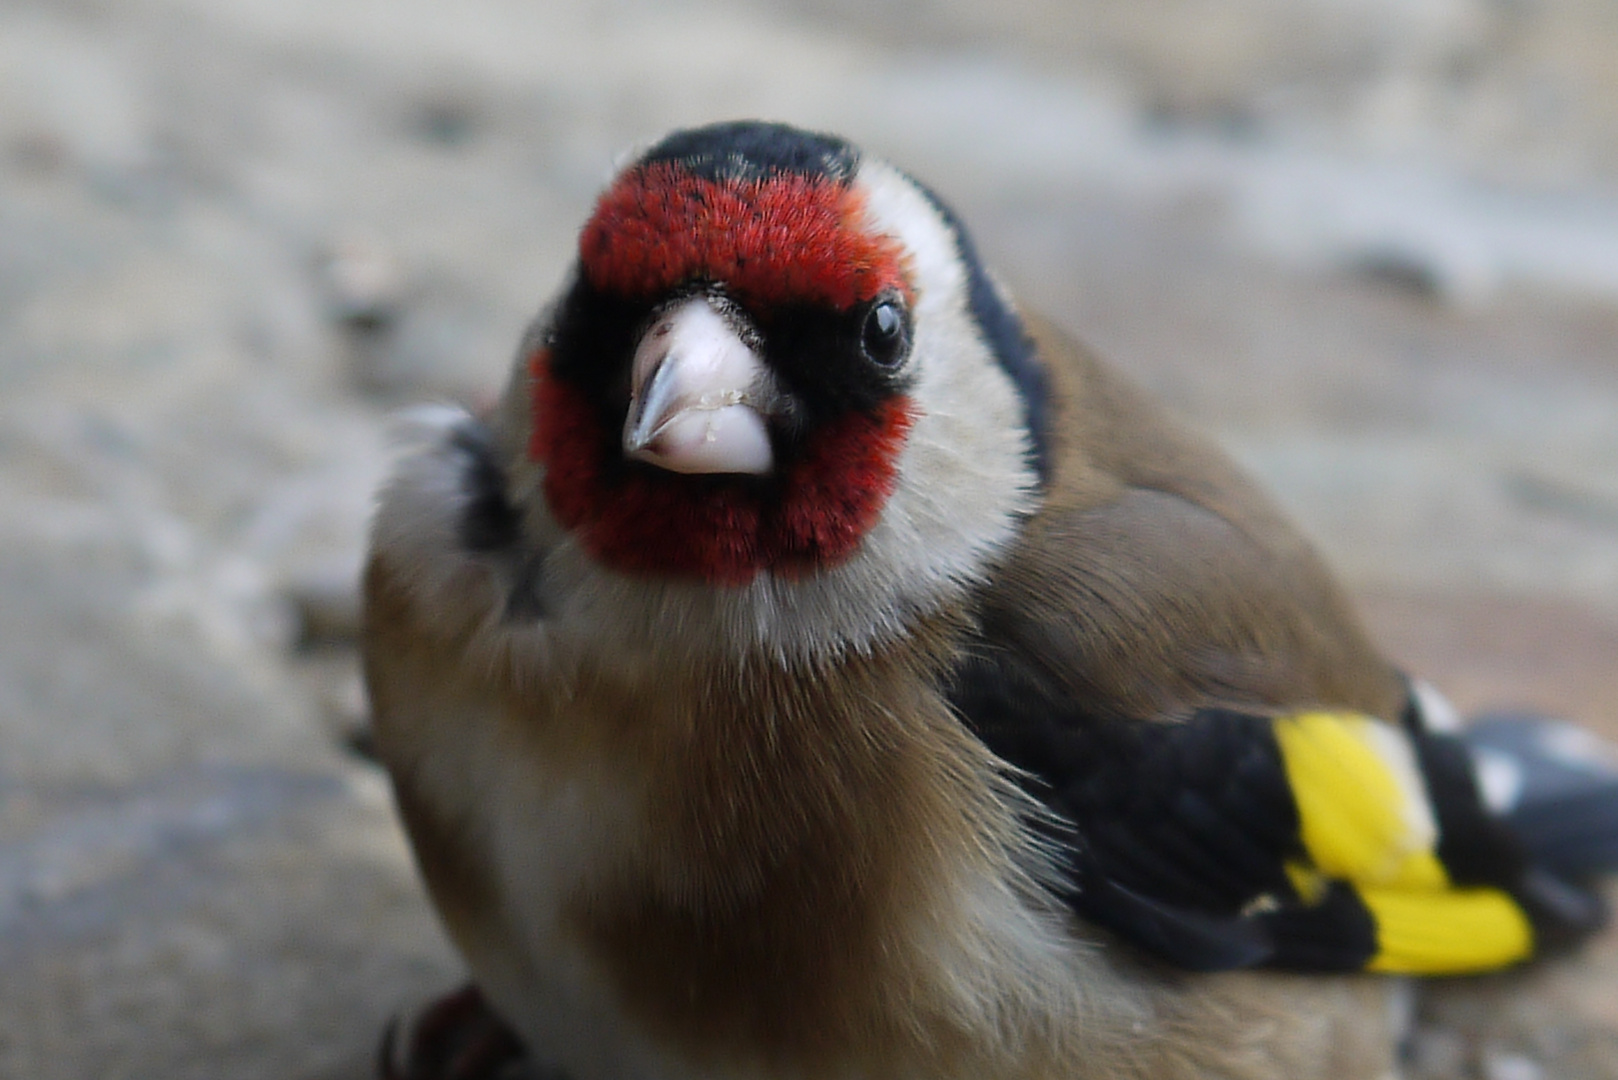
pixel 1372 244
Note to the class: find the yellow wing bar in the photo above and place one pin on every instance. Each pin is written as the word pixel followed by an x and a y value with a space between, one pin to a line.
pixel 1365 820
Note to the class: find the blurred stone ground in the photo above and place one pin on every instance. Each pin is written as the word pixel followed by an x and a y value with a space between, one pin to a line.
pixel 1373 245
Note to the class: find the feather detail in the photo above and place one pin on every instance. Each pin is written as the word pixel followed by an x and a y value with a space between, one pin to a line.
pixel 775 239
pixel 1446 931
pixel 1363 811
pixel 1365 820
pixel 1311 841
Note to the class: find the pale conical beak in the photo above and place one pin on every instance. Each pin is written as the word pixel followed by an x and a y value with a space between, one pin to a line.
pixel 693 390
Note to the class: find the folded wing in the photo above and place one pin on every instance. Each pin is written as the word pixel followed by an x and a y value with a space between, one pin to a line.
pixel 1313 840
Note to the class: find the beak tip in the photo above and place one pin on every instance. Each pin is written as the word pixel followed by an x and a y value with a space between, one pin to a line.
pixel 691 379
pixel 733 439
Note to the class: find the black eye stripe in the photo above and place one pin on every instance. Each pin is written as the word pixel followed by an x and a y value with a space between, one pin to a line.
pixel 820 356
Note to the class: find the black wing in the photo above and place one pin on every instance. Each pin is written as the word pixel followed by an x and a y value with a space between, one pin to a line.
pixel 1188 840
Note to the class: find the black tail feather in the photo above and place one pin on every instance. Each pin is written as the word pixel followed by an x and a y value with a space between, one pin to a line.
pixel 1562 913
pixel 1556 787
pixel 1577 836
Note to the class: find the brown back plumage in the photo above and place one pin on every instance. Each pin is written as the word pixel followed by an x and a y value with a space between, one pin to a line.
pixel 1156 578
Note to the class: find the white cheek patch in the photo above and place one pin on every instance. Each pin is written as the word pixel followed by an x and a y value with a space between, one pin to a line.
pixel 896 207
pixel 965 475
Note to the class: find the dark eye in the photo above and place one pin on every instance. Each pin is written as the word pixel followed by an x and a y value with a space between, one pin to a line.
pixel 883 335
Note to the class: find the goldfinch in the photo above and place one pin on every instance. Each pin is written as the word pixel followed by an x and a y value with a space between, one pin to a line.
pixel 816 667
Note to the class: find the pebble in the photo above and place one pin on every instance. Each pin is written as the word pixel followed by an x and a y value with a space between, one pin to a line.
pixel 364 284
pixel 1501 1065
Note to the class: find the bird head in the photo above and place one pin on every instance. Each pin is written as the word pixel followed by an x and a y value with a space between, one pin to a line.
pixel 778 359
